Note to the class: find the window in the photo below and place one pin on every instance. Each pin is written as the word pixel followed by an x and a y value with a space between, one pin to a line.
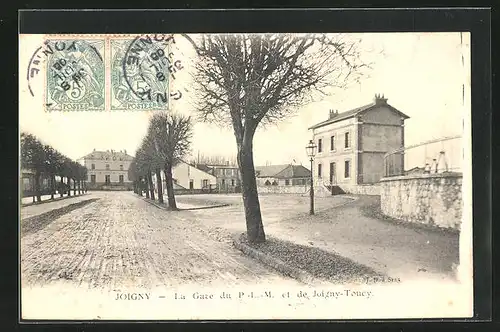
pixel 319 170
pixel 223 182
pixel 191 184
pixel 107 179
pixel 232 182
pixel 347 140
pixel 92 166
pixel 92 178
pixel 120 178
pixel 332 143
pixel 267 183
pixel 320 145
pixel 205 183
pixel 347 169
pixel 121 167
pixel 287 182
pixel 107 167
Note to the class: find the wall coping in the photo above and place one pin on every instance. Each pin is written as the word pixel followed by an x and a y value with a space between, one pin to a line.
pixel 422 176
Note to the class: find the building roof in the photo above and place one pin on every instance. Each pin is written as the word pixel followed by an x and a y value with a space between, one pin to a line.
pixel 204 168
pixel 110 154
pixel 282 171
pixel 357 111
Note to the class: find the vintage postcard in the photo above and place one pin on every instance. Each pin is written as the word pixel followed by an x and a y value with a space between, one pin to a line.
pixel 245 176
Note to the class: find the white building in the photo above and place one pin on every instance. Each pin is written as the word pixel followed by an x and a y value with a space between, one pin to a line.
pixel 107 169
pixel 187 176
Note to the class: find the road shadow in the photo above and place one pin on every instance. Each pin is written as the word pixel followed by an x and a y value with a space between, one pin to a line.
pixel 34 224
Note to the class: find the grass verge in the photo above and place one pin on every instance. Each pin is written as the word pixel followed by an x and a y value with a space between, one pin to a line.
pixel 310 261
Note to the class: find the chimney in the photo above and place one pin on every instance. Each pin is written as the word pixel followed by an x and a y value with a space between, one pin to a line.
pixel 333 114
pixel 94 150
pixel 125 151
pixel 380 99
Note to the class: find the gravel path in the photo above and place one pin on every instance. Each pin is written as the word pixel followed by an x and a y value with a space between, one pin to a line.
pixel 342 226
pixel 120 240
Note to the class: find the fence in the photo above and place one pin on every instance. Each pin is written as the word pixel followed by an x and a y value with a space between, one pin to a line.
pixel 435 156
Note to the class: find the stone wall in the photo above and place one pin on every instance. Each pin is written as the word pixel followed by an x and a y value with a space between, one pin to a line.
pixel 432 199
pixel 361 189
pixel 282 189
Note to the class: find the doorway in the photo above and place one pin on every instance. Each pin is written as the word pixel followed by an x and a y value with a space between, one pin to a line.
pixel 333 171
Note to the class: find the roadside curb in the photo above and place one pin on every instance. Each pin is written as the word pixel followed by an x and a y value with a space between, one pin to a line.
pixel 274 263
pixel 56 199
pixel 150 201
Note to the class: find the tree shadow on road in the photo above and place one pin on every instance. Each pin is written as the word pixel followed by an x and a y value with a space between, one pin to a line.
pixel 36 223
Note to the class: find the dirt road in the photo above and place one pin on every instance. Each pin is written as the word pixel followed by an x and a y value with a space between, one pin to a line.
pixel 120 241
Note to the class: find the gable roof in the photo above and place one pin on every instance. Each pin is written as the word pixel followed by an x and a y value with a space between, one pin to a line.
pixel 195 167
pixel 294 171
pixel 282 171
pixel 356 111
pixel 204 168
pixel 269 171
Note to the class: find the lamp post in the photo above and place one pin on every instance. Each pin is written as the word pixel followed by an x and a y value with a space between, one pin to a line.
pixel 311 151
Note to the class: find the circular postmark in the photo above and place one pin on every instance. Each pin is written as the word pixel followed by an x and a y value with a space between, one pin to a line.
pixel 74 74
pixel 148 65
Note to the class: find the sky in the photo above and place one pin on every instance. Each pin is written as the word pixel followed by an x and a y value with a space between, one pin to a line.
pixel 421 74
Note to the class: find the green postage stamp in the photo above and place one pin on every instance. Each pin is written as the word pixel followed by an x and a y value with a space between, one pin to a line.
pixel 75 75
pixel 108 72
pixel 139 73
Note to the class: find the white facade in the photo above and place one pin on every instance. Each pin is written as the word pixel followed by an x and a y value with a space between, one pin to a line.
pixel 339 155
pixel 107 168
pixel 189 177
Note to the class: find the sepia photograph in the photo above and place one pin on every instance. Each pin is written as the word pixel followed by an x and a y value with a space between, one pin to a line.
pixel 237 176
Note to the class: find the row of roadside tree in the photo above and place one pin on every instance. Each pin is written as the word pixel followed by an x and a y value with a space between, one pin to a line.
pixel 42 160
pixel 167 142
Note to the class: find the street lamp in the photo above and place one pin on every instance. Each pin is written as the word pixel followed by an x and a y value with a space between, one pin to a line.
pixel 311 151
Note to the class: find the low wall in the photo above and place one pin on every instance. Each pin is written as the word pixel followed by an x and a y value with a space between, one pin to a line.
pixel 282 189
pixel 432 199
pixel 361 189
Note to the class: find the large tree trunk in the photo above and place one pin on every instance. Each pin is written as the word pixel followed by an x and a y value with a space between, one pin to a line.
pixel 61 189
pixel 151 186
pixel 37 187
pixel 74 187
pixel 255 228
pixel 68 182
pixel 52 186
pixel 159 185
pixel 170 187
pixel 79 187
pixel 140 186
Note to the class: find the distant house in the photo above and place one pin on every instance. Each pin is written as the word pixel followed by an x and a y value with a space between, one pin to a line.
pixel 282 175
pixel 27 178
pixel 188 177
pixel 351 145
pixel 228 176
pixel 107 170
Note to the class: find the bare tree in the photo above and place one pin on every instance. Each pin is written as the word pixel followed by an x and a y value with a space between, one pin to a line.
pixel 171 135
pixel 148 161
pixel 246 80
pixel 214 159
